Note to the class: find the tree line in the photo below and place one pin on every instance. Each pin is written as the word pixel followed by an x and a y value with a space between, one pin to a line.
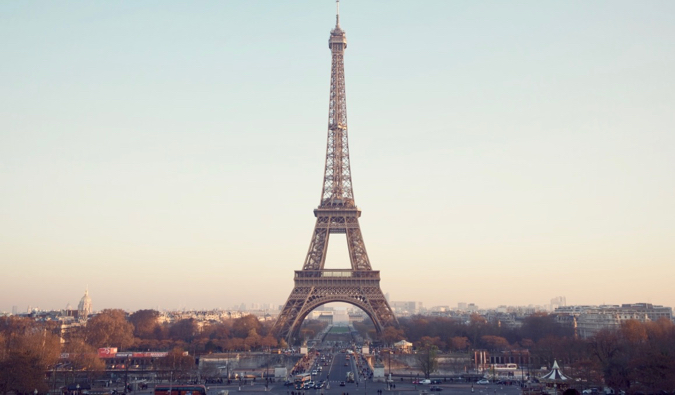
pixel 29 347
pixel 637 357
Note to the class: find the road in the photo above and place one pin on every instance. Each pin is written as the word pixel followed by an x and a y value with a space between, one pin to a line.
pixel 334 370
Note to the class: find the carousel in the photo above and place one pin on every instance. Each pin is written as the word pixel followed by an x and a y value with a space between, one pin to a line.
pixel 556 382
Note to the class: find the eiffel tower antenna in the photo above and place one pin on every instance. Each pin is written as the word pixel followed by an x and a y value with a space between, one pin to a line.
pixel 337 213
pixel 337 13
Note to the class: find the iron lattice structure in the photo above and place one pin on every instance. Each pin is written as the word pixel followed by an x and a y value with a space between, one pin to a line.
pixel 337 213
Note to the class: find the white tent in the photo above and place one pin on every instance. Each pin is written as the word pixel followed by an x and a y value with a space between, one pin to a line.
pixel 555 375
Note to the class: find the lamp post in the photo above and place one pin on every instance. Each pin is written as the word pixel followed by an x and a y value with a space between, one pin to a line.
pixel 126 376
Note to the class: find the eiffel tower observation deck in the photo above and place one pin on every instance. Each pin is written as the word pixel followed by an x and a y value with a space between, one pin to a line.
pixel 337 213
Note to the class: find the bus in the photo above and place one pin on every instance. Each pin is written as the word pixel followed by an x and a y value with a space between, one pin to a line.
pixel 180 389
pixel 302 377
pixel 504 367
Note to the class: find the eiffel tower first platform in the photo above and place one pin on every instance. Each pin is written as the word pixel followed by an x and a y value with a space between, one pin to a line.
pixel 337 213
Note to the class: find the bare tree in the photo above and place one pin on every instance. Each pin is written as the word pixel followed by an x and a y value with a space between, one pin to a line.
pixel 427 356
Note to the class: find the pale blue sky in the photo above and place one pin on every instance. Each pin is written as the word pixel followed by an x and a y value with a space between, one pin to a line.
pixel 169 154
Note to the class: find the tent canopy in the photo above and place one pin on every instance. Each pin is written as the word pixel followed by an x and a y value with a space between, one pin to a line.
pixel 555 375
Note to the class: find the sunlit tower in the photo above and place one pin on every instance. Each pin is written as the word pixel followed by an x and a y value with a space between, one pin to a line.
pixel 337 214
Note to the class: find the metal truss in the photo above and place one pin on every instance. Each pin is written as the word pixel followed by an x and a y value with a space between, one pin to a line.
pixel 337 213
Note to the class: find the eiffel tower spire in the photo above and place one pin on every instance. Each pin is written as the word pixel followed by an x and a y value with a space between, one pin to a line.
pixel 337 181
pixel 336 214
pixel 337 211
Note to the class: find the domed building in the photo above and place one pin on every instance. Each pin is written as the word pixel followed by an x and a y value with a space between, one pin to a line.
pixel 84 308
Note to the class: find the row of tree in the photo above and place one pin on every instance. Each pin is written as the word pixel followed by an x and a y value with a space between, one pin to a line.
pixel 641 353
pixel 638 357
pixel 29 347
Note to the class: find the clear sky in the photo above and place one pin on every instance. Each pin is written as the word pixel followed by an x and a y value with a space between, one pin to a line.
pixel 169 154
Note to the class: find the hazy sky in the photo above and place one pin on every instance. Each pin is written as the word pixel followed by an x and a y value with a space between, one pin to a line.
pixel 169 154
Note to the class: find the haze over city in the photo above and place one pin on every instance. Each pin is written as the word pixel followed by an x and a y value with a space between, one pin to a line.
pixel 170 154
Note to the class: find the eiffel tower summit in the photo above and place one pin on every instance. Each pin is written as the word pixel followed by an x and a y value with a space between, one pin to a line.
pixel 337 214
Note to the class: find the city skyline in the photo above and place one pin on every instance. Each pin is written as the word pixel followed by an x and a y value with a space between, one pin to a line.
pixel 501 153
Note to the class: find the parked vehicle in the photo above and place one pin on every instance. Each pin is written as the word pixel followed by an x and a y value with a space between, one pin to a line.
pixel 483 381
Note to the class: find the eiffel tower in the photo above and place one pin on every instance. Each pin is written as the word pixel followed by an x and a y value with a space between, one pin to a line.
pixel 337 213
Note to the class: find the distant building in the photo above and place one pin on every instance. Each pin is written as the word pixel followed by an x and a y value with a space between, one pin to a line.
pixel 589 320
pixel 595 320
pixel 84 307
pixel 654 313
pixel 406 307
pixel 558 301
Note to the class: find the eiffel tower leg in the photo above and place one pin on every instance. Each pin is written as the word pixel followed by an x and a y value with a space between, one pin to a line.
pixel 357 248
pixel 316 256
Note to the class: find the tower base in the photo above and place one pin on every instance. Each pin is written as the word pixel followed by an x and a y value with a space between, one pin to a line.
pixel 314 288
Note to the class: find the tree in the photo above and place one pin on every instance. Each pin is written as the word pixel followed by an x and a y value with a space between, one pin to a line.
pixel 27 349
pixel 145 322
pixel 459 343
pixel 391 335
pixel 269 342
pixel 253 339
pixel 241 327
pixel 494 342
pixel 177 363
pixel 427 356
pixel 184 330
pixel 84 357
pixel 22 372
pixel 110 328
pixel 540 325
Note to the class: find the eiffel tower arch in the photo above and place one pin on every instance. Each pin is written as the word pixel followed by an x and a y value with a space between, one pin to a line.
pixel 337 214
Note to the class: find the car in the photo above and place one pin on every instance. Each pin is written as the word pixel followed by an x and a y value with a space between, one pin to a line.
pixel 287 383
pixel 435 381
pixel 342 384
pixel 425 382
pixel 346 364
pixel 483 381
pixel 435 388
